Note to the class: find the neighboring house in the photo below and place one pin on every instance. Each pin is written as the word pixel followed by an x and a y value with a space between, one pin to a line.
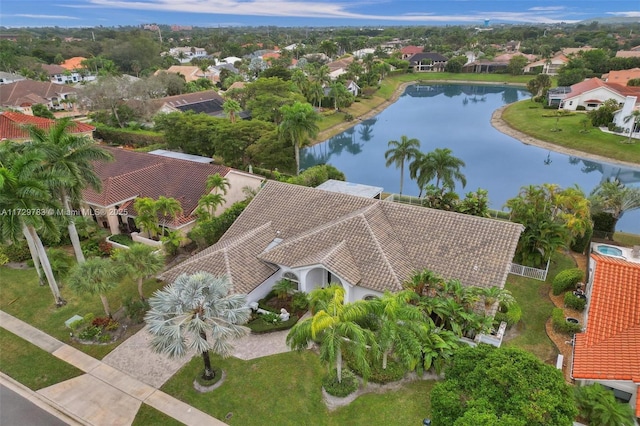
pixel 352 87
pixel 409 51
pixel 622 77
pixel 628 54
pixel 217 69
pixel 608 350
pixel 363 52
pixel 315 237
pixel 550 66
pixel 207 102
pixel 231 60
pixel 60 75
pixel 592 93
pixel 339 67
pixel 429 61
pixel 13 126
pixel 512 46
pixel 9 77
pixel 74 65
pixel 620 117
pixel 21 95
pixel 138 174
pixel 568 51
pixel 186 54
pixel 189 72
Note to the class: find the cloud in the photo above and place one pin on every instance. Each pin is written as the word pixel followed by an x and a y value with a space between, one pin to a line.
pixel 27 15
pixel 317 9
pixel 634 14
pixel 546 8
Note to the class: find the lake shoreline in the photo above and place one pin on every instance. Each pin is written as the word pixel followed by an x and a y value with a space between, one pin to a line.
pixel 496 121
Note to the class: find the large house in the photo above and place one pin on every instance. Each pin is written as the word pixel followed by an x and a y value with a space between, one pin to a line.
pixel 208 102
pixel 549 66
pixel 592 93
pixel 186 54
pixel 22 95
pixel 189 72
pixel 314 237
pixel 14 126
pixel 608 350
pixel 622 77
pixel 428 61
pixel 137 174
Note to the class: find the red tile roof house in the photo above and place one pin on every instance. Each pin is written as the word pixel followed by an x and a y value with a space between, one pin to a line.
pixel 608 350
pixel 409 51
pixel 593 92
pixel 313 237
pixel 21 95
pixel 136 174
pixel 14 126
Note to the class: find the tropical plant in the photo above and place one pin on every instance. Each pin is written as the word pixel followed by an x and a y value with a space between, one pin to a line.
pixel 299 123
pixel 446 168
pixel 217 183
pixel 598 405
pixel 340 95
pixel 231 107
pixel 335 328
pixel 146 215
pixel 96 276
pixel 424 283
pixel 284 288
pixel 73 158
pixel 140 261
pixel 197 312
pixel 171 241
pixel 61 262
pixel 24 194
pixel 613 197
pixel 491 295
pixel 167 207
pixel 208 204
pixel 401 151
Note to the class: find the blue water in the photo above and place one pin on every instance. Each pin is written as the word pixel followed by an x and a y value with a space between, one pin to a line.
pixel 608 250
pixel 458 117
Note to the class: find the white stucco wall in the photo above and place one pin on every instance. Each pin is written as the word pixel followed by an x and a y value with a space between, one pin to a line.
pixel 261 291
pixel 600 93
pixel 237 181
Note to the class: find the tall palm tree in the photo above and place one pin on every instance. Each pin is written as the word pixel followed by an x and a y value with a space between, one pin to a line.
pixel 140 261
pixel 421 170
pixel 231 107
pixel 335 328
pixel 146 215
pixel 96 276
pixel 167 207
pixel 185 314
pixel 446 168
pixel 25 194
pixel 70 156
pixel 299 123
pixel 207 205
pixel 634 118
pixel 401 151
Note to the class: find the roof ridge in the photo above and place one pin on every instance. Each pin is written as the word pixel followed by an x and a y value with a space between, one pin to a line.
pixel 379 246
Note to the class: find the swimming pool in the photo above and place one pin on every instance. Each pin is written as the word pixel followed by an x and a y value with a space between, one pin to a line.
pixel 609 250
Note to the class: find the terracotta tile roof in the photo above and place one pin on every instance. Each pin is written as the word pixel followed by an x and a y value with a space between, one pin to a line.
pixel 73 63
pixel 623 76
pixel 372 243
pixel 137 174
pixel 609 349
pixel 13 125
pixel 31 92
pixel 411 50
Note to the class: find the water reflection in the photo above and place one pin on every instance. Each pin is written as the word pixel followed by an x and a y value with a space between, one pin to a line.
pixel 458 117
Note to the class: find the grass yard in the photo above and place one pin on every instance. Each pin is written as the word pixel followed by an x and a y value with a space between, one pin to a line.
pixel 24 298
pixel 533 297
pixel 30 365
pixel 147 415
pixel 527 117
pixel 285 389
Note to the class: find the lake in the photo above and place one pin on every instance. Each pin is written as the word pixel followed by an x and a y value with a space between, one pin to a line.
pixel 457 116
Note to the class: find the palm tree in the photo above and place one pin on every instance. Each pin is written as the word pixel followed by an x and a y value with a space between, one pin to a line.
pixel 207 205
pixel 24 193
pixel 491 295
pixel 335 328
pixel 193 308
pixel 299 123
pixel 634 118
pixel 231 108
pixel 315 93
pixel 146 215
pixel 70 156
pixel 340 95
pixel 598 405
pixel 167 207
pixel 140 261
pixel 612 196
pixel 399 152
pixel 421 170
pixel 218 183
pixel 96 276
pixel 446 168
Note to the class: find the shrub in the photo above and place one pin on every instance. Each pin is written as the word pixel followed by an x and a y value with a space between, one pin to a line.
pixel 567 280
pixel 394 371
pixel 581 108
pixel 259 326
pixel 90 333
pixel 115 136
pixel 270 318
pixel 16 252
pixel 299 301
pixel 284 288
pixel 105 323
pixel 510 315
pixel 91 248
pixel 77 324
pixel 105 248
pixel 208 232
pixel 580 244
pixel 123 239
pixel 574 302
pixel 135 309
pixel 561 325
pixel 348 385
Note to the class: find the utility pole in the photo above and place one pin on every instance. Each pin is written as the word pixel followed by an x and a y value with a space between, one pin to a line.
pixel 160 34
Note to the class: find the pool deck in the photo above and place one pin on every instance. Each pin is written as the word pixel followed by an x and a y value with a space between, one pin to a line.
pixel 627 252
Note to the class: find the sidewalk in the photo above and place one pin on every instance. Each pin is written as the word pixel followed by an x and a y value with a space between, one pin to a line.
pixel 91 398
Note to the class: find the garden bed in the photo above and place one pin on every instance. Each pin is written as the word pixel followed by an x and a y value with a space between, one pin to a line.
pixel 259 326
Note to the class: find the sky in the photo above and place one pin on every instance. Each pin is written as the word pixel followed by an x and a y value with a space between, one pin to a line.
pixel 294 13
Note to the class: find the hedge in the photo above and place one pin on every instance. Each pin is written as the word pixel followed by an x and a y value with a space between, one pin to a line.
pixel 114 136
pixel 567 280
pixel 574 302
pixel 258 326
pixel 16 252
pixel 561 325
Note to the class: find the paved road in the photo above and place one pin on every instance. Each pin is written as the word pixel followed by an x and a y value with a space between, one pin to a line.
pixel 18 411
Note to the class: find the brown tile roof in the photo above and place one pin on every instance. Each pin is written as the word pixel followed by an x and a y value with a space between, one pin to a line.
pixel 137 174
pixel 623 76
pixel 54 69
pixel 375 244
pixel 31 92
pixel 609 349
pixel 627 54
pixel 13 125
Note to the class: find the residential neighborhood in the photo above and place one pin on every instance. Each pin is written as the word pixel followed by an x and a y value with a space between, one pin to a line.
pixel 192 218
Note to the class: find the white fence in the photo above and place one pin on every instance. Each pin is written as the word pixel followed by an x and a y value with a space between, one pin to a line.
pixel 529 272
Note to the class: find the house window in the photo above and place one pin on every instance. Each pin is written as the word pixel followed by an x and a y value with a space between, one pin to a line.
pixel 592 105
pixel 621 396
pixel 293 278
pixel 570 102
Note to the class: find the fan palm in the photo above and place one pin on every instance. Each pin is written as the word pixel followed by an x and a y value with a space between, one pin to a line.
pixel 70 156
pixel 335 328
pixel 401 151
pixel 96 276
pixel 140 261
pixel 193 307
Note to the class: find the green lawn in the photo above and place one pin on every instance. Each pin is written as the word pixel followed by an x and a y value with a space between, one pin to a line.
pixel 30 365
pixel 285 389
pixel 147 416
pixel 528 117
pixel 22 297
pixel 533 297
